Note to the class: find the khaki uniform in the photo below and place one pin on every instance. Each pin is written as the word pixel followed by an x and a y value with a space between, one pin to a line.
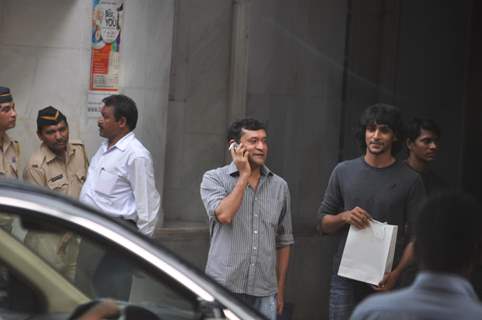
pixel 9 155
pixel 47 170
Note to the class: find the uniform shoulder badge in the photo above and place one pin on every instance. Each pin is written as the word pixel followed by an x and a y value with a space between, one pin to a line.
pixel 76 142
pixel 53 179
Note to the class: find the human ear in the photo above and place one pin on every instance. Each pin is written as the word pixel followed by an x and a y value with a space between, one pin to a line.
pixel 409 144
pixel 122 122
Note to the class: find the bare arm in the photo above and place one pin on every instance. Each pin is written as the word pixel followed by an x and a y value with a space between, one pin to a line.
pixel 228 207
pixel 106 308
pixel 356 217
pixel 283 257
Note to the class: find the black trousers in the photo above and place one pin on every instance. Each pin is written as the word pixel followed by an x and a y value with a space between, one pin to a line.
pixel 113 277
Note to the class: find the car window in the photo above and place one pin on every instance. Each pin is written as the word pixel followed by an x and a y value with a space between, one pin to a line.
pixel 91 266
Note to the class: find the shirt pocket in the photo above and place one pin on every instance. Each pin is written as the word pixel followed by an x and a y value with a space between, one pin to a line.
pixel 107 182
pixel 81 175
pixel 270 219
pixel 271 211
pixel 13 165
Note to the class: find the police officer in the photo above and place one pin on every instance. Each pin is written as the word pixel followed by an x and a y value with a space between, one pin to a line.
pixel 9 149
pixel 60 166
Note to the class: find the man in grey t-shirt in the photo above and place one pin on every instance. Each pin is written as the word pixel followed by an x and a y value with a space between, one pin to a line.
pixel 374 186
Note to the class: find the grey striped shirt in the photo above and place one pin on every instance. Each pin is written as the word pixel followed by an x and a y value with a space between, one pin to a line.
pixel 242 254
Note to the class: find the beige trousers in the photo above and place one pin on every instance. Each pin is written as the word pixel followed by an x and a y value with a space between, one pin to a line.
pixel 46 245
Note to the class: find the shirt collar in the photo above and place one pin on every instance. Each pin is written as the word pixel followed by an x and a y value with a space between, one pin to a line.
pixel 6 142
pixel 50 156
pixel 122 143
pixel 449 282
pixel 233 170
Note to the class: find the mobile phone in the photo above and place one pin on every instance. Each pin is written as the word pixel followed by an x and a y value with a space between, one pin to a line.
pixel 233 145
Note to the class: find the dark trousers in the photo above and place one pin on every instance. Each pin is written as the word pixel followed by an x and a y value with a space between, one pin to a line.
pixel 113 277
pixel 102 272
pixel 345 294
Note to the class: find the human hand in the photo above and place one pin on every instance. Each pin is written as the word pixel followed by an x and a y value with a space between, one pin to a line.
pixel 280 303
pixel 388 282
pixel 63 243
pixel 103 309
pixel 239 154
pixel 357 217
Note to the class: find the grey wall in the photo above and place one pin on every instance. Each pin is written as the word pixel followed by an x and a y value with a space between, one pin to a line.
pixel 294 85
pixel 372 64
pixel 296 54
pixel 411 54
pixel 295 66
pixel 309 77
pixel 197 104
pixel 431 75
pixel 45 59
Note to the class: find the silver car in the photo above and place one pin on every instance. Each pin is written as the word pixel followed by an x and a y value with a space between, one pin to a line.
pixel 163 286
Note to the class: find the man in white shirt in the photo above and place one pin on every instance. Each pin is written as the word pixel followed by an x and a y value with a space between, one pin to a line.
pixel 120 180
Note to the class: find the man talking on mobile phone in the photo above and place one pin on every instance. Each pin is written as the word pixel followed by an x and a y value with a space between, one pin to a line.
pixel 250 221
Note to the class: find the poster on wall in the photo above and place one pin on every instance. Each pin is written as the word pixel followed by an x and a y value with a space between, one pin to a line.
pixel 107 17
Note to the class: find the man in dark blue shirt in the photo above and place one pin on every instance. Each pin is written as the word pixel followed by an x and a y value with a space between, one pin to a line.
pixel 448 246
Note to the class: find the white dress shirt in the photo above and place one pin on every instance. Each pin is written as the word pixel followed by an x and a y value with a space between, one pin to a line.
pixel 120 182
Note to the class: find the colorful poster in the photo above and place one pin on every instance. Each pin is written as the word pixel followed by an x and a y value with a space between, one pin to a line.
pixel 107 19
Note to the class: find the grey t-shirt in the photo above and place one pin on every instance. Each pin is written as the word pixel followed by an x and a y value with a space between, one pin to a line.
pixel 391 194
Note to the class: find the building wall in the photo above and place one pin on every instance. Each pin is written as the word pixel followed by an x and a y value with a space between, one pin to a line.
pixel 311 98
pixel 411 54
pixel 313 66
pixel 197 104
pixel 434 40
pixel 45 59
pixel 295 77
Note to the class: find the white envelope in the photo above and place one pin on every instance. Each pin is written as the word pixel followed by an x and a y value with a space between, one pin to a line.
pixel 368 253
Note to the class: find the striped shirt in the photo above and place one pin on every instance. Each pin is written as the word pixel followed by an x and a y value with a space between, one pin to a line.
pixel 242 254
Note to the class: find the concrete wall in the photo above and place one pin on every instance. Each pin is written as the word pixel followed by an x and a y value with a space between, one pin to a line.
pixel 371 65
pixel 295 85
pixel 198 104
pixel 411 54
pixel 45 60
pixel 432 70
pixel 395 51
pixel 309 77
pixel 295 68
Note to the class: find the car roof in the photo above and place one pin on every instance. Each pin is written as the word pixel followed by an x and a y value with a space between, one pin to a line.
pixel 17 197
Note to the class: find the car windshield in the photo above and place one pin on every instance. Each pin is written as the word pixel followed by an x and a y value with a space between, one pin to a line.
pixel 87 268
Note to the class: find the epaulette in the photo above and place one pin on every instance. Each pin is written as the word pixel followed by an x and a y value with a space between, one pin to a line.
pixel 78 142
pixel 36 159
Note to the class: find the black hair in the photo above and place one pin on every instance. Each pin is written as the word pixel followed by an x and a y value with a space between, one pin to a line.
pixel 236 128
pixel 381 113
pixel 448 233
pixel 415 126
pixel 123 107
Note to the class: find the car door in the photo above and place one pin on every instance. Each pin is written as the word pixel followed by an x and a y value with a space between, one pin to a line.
pixel 109 257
